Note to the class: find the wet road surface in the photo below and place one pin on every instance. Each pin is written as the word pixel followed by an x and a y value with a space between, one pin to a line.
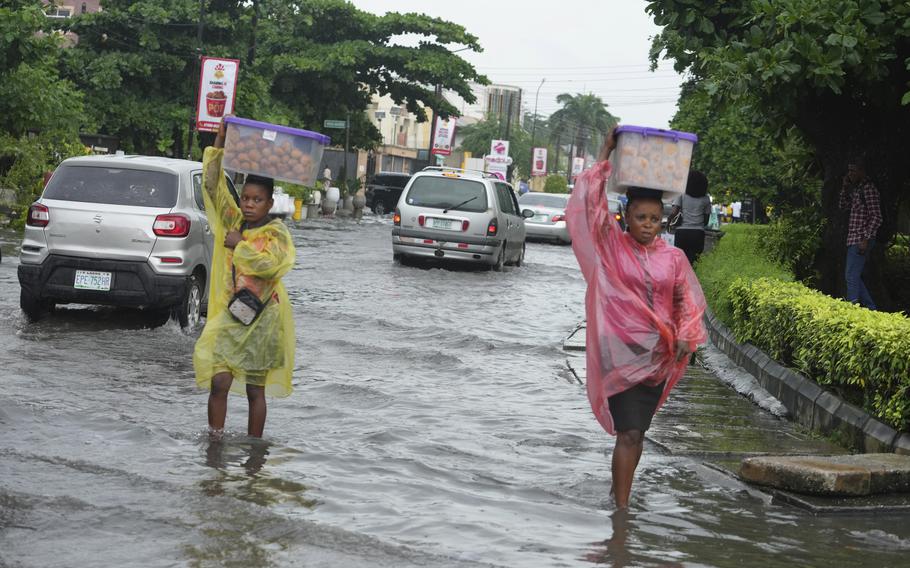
pixel 434 423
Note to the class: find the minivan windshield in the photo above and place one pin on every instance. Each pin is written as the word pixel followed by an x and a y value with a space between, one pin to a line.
pixel 114 186
pixel 445 192
pixel 544 200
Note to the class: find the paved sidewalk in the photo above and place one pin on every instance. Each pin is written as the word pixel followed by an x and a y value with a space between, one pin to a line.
pixel 705 418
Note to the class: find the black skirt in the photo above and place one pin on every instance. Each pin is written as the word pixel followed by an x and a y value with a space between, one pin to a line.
pixel 634 408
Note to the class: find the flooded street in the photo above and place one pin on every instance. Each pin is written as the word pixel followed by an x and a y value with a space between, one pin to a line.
pixel 434 423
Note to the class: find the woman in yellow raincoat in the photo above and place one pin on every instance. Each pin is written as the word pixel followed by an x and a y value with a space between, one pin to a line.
pixel 257 251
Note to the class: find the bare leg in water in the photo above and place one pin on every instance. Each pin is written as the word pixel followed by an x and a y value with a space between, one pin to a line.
pixel 256 423
pixel 218 400
pixel 626 454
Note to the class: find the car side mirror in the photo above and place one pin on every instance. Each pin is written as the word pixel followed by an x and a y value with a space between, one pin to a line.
pixel 527 213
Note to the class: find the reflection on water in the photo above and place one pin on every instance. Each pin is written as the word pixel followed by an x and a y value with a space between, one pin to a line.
pixel 239 463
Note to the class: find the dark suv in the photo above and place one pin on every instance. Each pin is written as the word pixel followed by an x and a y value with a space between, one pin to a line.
pixel 384 190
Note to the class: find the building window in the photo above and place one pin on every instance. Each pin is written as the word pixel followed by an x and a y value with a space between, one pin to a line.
pixel 60 13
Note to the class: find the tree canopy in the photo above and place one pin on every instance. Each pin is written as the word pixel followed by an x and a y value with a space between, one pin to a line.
pixel 836 70
pixel 301 62
pixel 477 138
pixel 583 119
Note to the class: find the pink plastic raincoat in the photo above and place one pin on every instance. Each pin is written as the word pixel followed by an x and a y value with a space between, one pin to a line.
pixel 640 300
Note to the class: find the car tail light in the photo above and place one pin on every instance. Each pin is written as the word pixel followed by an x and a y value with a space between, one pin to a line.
pixel 492 228
pixel 170 260
pixel 38 216
pixel 396 218
pixel 557 218
pixel 465 224
pixel 421 220
pixel 171 226
pixel 618 217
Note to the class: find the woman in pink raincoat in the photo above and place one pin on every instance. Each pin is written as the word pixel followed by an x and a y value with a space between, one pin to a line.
pixel 644 310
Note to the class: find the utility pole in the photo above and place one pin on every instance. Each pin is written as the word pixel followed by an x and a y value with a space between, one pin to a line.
pixel 438 96
pixel 192 124
pixel 558 145
pixel 534 127
pixel 347 141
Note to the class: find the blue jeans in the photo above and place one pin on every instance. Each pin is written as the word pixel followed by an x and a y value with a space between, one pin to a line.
pixel 856 289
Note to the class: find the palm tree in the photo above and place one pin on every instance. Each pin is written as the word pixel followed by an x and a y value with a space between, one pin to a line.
pixel 584 118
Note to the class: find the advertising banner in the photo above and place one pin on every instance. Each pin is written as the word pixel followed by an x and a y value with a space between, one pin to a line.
pixel 539 163
pixel 578 166
pixel 498 160
pixel 444 135
pixel 217 87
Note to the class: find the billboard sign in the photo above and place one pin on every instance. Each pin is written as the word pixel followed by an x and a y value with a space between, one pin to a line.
pixel 498 160
pixel 217 88
pixel 578 166
pixel 443 136
pixel 539 162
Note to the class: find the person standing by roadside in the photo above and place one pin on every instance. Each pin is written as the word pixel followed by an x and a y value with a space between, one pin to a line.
pixel 694 207
pixel 860 198
pixel 644 309
pixel 248 341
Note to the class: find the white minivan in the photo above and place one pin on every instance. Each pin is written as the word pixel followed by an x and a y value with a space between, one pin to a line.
pixel 459 215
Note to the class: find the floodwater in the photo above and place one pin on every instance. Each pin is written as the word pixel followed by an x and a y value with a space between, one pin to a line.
pixel 434 423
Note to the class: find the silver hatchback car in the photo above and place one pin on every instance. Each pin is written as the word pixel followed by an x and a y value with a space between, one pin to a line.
pixel 119 230
pixel 459 215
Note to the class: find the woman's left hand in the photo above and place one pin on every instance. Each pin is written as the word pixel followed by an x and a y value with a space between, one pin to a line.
pixel 682 349
pixel 232 239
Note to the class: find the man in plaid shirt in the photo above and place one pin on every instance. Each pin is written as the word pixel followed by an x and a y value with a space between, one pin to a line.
pixel 859 196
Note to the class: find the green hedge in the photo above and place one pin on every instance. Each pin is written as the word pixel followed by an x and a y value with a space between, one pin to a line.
pixel 737 255
pixel 864 355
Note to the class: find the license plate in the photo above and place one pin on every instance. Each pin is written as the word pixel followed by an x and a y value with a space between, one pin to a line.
pixel 443 224
pixel 92 280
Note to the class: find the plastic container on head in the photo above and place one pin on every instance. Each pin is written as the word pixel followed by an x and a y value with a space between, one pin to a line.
pixel 652 158
pixel 272 150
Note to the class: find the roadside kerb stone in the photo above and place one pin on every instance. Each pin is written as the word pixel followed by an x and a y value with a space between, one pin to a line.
pixel 823 414
pixel 902 444
pixel 849 423
pixel 878 437
pixel 769 377
pixel 807 394
pixel 807 402
pixel 854 475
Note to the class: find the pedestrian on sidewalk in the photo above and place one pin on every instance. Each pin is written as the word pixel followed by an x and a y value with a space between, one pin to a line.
pixel 644 310
pixel 694 209
pixel 860 198
pixel 248 340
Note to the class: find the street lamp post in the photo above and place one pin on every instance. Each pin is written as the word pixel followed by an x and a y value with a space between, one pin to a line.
pixel 534 127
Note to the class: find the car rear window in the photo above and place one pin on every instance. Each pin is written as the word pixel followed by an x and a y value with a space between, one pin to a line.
pixel 544 200
pixel 391 181
pixel 446 193
pixel 114 186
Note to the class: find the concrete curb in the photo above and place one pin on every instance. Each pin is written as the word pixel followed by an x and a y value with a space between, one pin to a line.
pixel 808 403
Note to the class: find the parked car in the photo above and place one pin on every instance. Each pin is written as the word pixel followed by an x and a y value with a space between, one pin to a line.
pixel 119 230
pixel 384 191
pixel 461 215
pixel 549 220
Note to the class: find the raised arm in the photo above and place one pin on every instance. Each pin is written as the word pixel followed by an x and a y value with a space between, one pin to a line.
pixel 220 206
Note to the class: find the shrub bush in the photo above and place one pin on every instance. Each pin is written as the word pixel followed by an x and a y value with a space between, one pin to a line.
pixel 864 355
pixel 794 242
pixel 556 184
pixel 737 254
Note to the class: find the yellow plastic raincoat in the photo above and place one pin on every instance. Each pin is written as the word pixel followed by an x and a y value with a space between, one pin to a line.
pixel 262 353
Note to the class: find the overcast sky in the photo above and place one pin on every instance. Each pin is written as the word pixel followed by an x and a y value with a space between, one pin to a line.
pixel 596 46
